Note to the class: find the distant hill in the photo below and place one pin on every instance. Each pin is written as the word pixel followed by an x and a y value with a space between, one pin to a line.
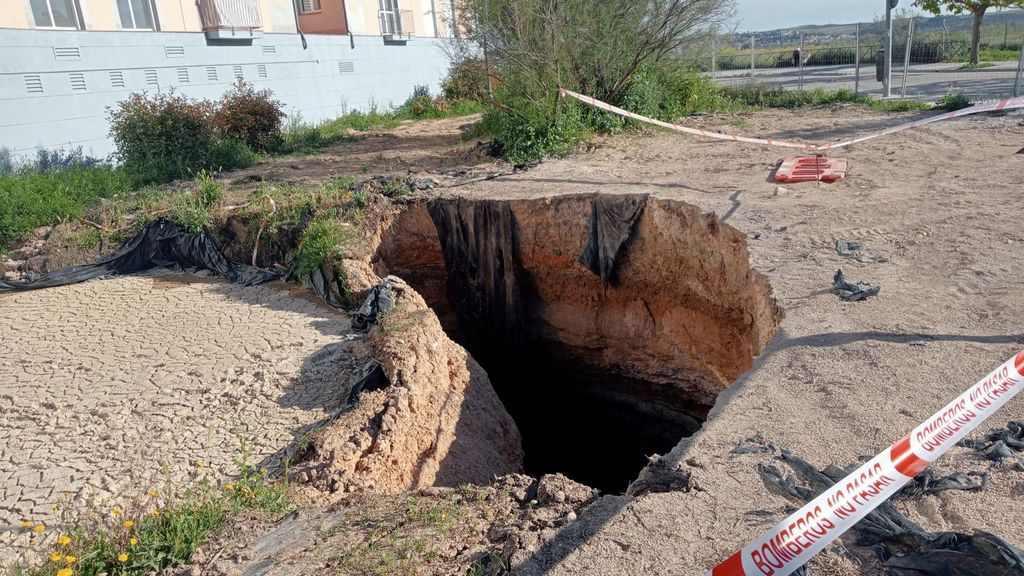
pixel 822 32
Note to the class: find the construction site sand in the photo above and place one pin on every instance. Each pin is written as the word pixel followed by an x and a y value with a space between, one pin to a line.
pixel 111 388
pixel 937 211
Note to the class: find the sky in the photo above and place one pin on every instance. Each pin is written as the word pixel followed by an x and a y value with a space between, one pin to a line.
pixel 758 15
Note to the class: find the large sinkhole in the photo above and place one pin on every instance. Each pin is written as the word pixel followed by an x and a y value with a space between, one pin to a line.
pixel 598 372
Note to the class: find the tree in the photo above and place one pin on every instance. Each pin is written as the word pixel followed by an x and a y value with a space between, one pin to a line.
pixel 595 46
pixel 976 8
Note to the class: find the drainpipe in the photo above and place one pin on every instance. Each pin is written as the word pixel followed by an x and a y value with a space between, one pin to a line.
pixel 348 29
pixel 295 10
pixel 433 14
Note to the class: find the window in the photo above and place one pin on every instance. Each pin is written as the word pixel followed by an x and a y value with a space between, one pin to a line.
pixel 309 6
pixel 56 13
pixel 136 14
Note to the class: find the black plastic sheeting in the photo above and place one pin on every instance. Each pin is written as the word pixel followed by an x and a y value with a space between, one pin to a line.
pixel 380 300
pixel 371 378
pixel 852 291
pixel 903 547
pixel 612 221
pixel 999 443
pixel 161 243
pixel 478 242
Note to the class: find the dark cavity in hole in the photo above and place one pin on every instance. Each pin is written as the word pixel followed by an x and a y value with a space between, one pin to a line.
pixel 598 378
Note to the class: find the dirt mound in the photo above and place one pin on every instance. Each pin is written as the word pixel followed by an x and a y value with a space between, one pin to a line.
pixel 438 423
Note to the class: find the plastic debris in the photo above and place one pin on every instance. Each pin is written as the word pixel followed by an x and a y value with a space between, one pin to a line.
pixel 850 291
pixel 162 243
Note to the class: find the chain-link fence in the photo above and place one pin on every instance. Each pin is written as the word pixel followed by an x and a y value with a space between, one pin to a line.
pixel 853 59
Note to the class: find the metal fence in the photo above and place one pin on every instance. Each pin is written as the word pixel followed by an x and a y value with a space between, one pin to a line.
pixel 925 67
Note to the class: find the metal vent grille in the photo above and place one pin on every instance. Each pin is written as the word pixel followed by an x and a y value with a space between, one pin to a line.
pixel 346 67
pixel 67 53
pixel 237 70
pixel 270 49
pixel 261 70
pixel 211 73
pixel 77 81
pixel 117 79
pixel 151 78
pixel 183 75
pixel 33 84
pixel 174 51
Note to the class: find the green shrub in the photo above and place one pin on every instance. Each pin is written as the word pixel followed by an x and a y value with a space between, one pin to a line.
pixel 530 130
pixel 163 137
pixel 954 100
pixel 249 116
pixel 466 80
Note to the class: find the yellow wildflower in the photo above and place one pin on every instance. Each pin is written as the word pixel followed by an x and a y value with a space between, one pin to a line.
pixel 154 513
pixel 199 463
pixel 65 572
pixel 38 528
pixel 122 557
pixel 129 523
pixel 152 493
pixel 26 524
pixel 55 556
pixel 133 541
pixel 229 487
pixel 63 539
pixel 70 560
pixel 54 508
pixel 116 511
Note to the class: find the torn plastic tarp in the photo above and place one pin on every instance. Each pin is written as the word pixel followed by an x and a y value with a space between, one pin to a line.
pixel 371 377
pixel 612 220
pixel 478 242
pixel 852 291
pixel 328 285
pixel 380 300
pixel 161 243
pixel 999 443
pixel 903 547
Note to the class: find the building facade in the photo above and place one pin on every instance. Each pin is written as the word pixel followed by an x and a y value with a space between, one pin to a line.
pixel 64 63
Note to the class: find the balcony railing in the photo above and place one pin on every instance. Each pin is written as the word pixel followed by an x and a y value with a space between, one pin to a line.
pixel 226 18
pixel 396 24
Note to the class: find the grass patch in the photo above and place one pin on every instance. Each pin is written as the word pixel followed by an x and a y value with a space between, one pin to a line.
pixel 29 199
pixel 979 65
pixel 997 55
pixel 761 96
pixel 142 537
pixel 194 210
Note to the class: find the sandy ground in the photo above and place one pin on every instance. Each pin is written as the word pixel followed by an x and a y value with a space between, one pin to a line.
pixel 935 209
pixel 114 387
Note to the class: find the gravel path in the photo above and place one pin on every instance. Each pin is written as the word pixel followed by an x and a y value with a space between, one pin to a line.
pixel 112 387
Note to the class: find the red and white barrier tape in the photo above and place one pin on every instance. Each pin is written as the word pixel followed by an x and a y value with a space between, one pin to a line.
pixel 1008 104
pixel 791 543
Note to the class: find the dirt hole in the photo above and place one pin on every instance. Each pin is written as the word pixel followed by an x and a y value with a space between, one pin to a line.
pixel 597 377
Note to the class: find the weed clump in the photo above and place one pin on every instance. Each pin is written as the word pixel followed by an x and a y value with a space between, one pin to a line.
pixel 155 532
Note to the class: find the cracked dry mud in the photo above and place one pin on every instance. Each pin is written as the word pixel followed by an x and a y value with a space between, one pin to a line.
pixel 112 387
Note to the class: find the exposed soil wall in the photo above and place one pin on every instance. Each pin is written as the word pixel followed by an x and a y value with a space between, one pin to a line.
pixel 596 376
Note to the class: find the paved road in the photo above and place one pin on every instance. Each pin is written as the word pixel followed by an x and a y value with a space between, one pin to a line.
pixel 926 82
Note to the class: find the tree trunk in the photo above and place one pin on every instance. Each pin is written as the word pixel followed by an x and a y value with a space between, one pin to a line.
pixel 979 13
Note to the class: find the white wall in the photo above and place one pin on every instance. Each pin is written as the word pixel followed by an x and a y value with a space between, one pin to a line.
pixel 75 93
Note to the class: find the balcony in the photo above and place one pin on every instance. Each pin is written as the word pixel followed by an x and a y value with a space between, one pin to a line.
pixel 230 19
pixel 396 24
